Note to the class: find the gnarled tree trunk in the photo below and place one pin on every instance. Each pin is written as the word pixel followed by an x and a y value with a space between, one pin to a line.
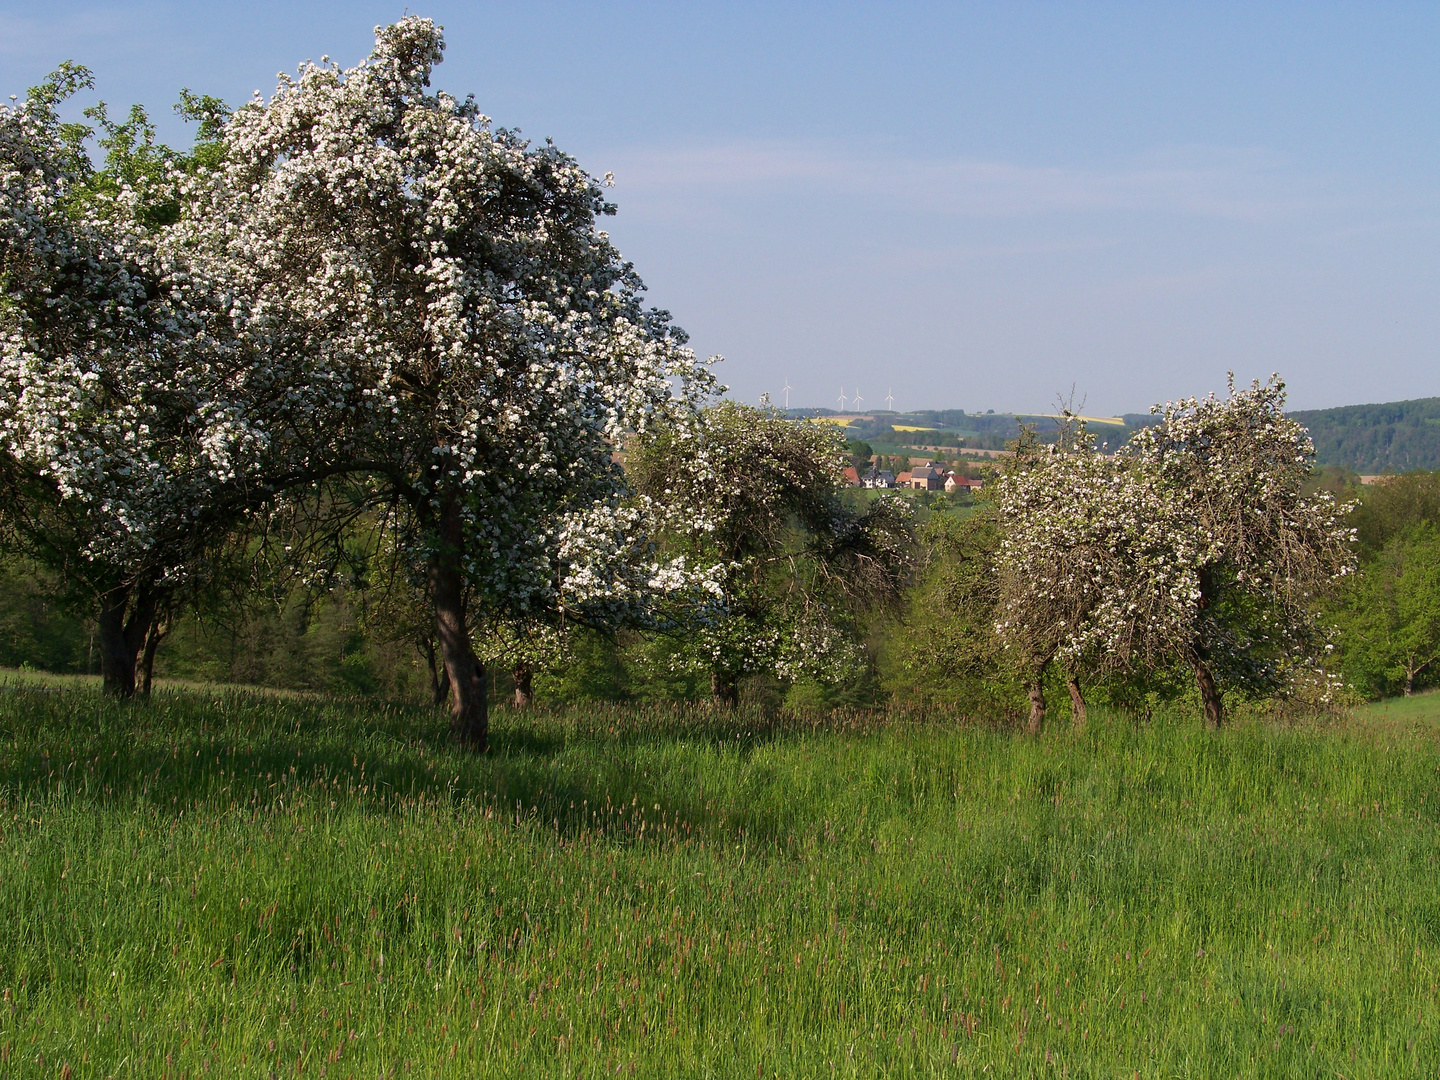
pixel 1204 679
pixel 469 710
pixel 158 629
pixel 1410 673
pixel 723 690
pixel 439 677
pixel 1078 714
pixel 123 625
pixel 1209 693
pixel 524 684
pixel 1036 723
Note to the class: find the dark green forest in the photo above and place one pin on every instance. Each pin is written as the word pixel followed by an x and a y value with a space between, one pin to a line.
pixel 1391 437
pixel 1396 436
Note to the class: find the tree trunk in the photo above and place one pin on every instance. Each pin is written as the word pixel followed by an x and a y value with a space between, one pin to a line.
pixel 122 636
pixel 469 712
pixel 1410 674
pixel 723 690
pixel 1078 715
pixel 1036 723
pixel 1209 694
pixel 524 688
pixel 439 677
pixel 158 629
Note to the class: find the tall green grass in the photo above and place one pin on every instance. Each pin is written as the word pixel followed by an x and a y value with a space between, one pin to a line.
pixel 241 885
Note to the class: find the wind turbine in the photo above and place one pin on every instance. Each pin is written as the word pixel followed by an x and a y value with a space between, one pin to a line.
pixel 890 400
pixel 842 399
pixel 856 403
pixel 787 390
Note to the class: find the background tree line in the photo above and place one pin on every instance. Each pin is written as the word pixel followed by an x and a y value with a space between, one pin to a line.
pixel 933 645
pixel 934 648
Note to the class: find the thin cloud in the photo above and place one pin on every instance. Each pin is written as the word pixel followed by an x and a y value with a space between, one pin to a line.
pixel 1231 185
pixel 70 34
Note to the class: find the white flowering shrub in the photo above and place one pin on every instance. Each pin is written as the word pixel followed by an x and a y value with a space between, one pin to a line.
pixel 752 503
pixel 607 575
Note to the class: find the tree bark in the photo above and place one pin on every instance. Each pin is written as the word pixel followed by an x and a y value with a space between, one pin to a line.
pixel 723 690
pixel 1209 694
pixel 122 636
pixel 158 629
pixel 524 685
pixel 439 677
pixel 1036 723
pixel 1410 675
pixel 1078 714
pixel 469 710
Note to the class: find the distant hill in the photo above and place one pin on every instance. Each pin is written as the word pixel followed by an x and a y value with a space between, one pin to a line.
pixel 1398 436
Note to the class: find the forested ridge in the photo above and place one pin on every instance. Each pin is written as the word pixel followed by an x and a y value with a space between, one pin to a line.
pixel 1396 436
pixel 1389 437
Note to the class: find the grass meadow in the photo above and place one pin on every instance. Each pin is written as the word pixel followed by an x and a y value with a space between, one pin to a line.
pixel 224 883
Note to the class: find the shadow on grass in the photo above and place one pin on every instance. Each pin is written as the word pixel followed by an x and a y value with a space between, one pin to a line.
pixel 582 769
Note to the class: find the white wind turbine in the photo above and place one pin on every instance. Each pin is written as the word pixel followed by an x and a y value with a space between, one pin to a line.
pixel 890 400
pixel 786 391
pixel 842 399
pixel 855 404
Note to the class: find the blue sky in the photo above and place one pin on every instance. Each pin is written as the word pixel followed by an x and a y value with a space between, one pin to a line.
pixel 975 206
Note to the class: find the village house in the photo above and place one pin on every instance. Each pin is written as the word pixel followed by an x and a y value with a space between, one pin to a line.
pixel 851 476
pixel 879 478
pixel 927 477
pixel 955 482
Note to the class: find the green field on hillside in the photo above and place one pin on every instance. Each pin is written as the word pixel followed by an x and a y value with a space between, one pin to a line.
pixel 226 883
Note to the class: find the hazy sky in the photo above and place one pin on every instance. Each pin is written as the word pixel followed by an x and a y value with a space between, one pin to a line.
pixel 973 205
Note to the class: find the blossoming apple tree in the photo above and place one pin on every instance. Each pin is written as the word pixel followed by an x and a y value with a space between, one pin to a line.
pixel 1262 551
pixel 120 444
pixel 1195 545
pixel 1088 569
pixel 429 304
